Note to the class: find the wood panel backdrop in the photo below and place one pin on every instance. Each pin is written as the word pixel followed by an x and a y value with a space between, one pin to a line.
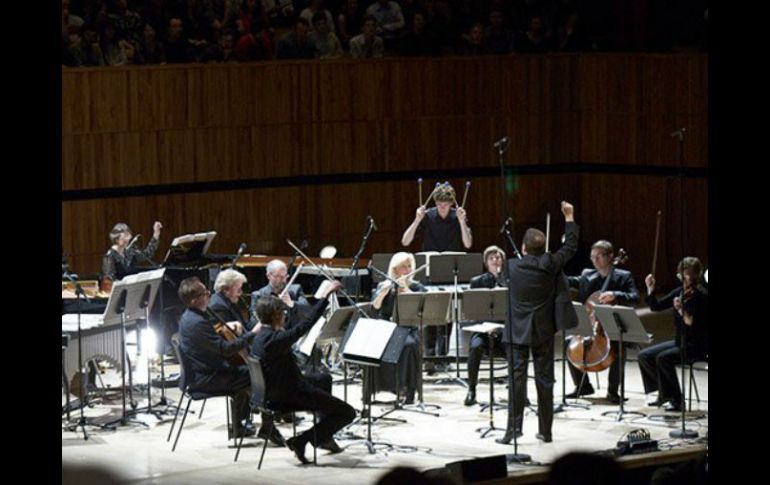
pixel 265 152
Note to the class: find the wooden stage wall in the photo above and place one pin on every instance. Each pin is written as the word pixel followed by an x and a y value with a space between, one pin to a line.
pixel 592 129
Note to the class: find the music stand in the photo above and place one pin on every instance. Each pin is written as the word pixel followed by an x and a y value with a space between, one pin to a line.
pixel 150 281
pixel 583 329
pixel 421 309
pixel 455 268
pixel 487 304
pixel 621 323
pixel 131 290
pixel 365 343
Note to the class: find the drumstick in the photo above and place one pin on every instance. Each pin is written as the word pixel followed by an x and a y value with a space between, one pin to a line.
pixel 419 187
pixel 465 194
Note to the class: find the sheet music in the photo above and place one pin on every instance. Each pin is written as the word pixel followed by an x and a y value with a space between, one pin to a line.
pixel 485 327
pixel 375 331
pixel 307 342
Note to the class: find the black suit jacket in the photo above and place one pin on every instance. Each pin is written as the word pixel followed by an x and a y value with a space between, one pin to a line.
pixel 282 375
pixel 536 282
pixel 302 308
pixel 227 310
pixel 621 284
pixel 205 349
pixel 487 280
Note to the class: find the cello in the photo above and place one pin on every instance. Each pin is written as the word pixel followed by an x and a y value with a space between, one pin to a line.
pixel 594 354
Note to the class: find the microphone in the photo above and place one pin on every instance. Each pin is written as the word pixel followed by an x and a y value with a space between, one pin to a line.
pixel 505 225
pixel 679 133
pixel 133 241
pixel 502 142
pixel 370 219
pixel 241 249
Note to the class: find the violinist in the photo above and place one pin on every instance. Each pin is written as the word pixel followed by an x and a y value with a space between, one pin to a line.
pixel 277 279
pixel 690 303
pixel 400 269
pixel 619 290
pixel 493 278
pixel 208 353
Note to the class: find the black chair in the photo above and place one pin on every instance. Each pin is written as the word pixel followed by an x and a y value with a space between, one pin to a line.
pixel 259 403
pixel 188 392
pixel 692 383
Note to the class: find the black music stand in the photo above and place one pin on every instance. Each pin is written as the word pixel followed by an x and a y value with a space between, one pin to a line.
pixel 131 290
pixel 621 323
pixel 455 268
pixel 490 304
pixel 365 343
pixel 421 309
pixel 149 282
pixel 583 329
pixel 489 328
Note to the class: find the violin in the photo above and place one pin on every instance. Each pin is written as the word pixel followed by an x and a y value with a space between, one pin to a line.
pixel 224 331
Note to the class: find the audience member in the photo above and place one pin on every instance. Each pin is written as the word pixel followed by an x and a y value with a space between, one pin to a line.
pixel 296 44
pixel 367 44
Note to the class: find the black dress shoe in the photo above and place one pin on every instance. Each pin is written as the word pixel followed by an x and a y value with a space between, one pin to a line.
pixel 244 430
pixel 290 418
pixel 586 391
pixel 615 398
pixel 658 402
pixel 673 406
pixel 544 438
pixel 470 398
pixel 274 436
pixel 507 437
pixel 409 396
pixel 297 445
pixel 331 446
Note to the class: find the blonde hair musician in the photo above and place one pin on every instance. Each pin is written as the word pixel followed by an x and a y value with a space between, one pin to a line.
pixel 406 372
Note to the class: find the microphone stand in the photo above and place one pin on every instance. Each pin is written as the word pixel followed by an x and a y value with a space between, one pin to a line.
pixel 354 266
pixel 682 433
pixel 516 457
pixel 82 422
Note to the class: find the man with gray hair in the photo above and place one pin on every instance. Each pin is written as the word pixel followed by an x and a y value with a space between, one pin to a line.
pixel 277 278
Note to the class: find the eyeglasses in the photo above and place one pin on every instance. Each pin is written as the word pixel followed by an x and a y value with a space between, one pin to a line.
pixel 206 293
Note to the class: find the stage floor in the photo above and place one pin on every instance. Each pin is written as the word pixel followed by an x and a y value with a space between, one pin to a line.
pixel 141 454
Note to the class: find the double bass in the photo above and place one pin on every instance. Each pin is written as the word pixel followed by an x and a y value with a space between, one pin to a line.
pixel 594 354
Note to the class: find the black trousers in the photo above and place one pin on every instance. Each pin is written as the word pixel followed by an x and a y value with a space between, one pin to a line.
pixel 234 381
pixel 478 347
pixel 658 366
pixel 314 393
pixel 436 340
pixel 613 379
pixel 518 359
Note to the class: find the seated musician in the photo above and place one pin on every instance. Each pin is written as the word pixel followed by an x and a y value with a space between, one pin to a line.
pixel 208 352
pixel 277 278
pixel 122 260
pixel 619 290
pixel 658 362
pixel 287 389
pixel 494 257
pixel 408 367
pixel 228 289
pixel 443 228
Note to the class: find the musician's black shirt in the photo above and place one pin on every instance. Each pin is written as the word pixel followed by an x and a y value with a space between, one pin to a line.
pixel 440 234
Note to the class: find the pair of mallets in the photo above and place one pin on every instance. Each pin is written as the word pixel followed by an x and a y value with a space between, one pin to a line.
pixel 439 185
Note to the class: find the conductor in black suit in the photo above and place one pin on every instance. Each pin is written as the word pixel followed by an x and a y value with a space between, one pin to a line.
pixel 287 389
pixel 539 307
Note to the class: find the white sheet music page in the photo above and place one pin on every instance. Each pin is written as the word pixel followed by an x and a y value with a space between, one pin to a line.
pixel 308 340
pixel 369 330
